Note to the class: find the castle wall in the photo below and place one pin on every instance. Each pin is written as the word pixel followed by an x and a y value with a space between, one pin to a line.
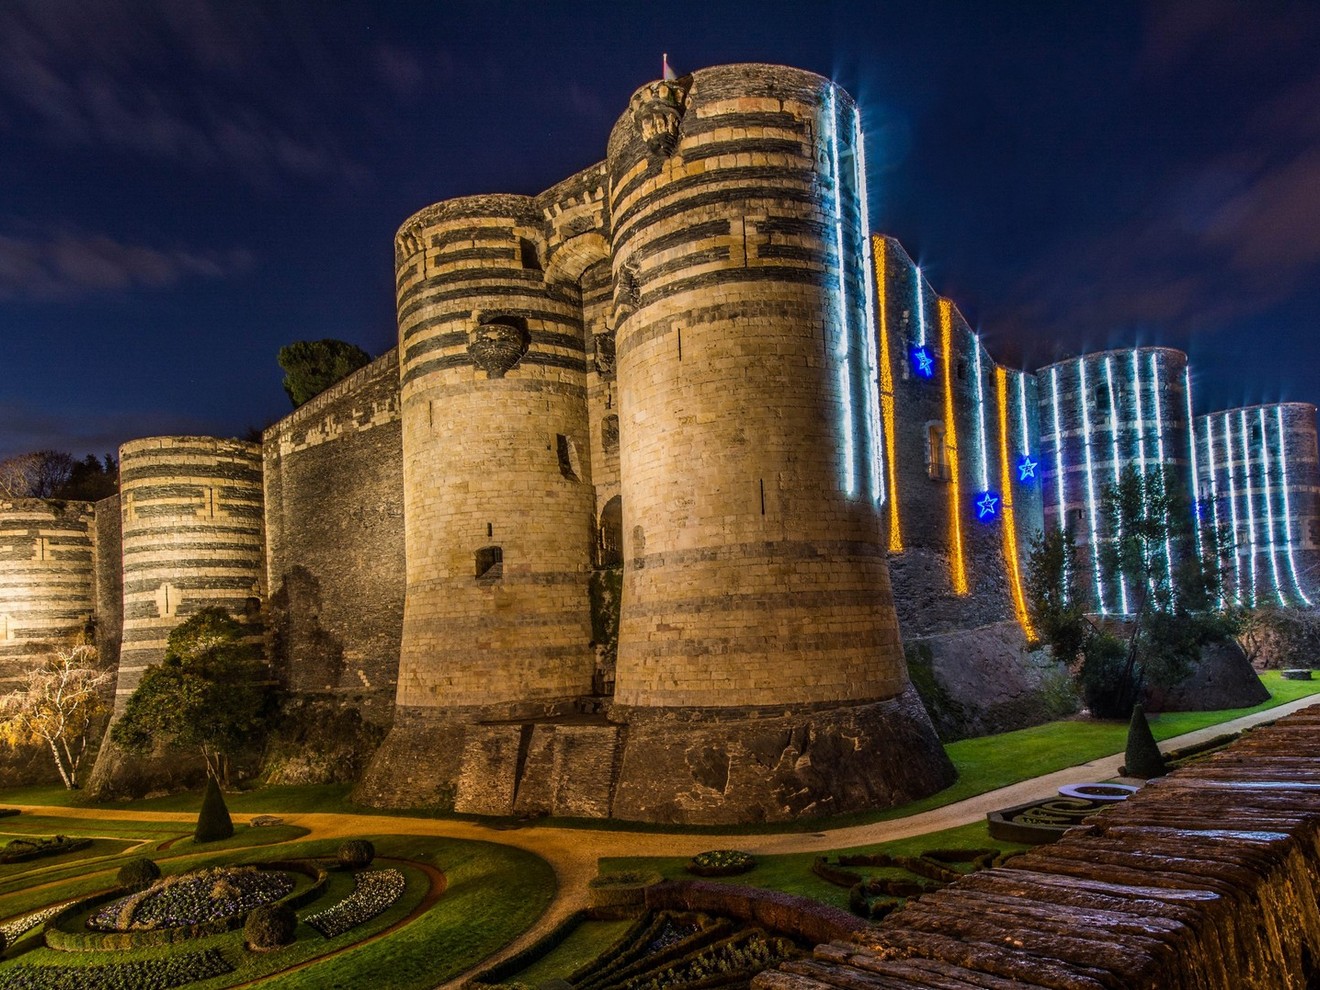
pixel 498 494
pixel 1100 414
pixel 109 561
pixel 333 492
pixel 946 446
pixel 47 580
pixel 1259 501
pixel 192 537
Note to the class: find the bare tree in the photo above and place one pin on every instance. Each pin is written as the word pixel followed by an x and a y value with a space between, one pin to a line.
pixel 38 474
pixel 62 699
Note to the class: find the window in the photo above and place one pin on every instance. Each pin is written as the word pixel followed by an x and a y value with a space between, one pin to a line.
pixel 569 464
pixel 528 256
pixel 937 453
pixel 609 535
pixel 490 562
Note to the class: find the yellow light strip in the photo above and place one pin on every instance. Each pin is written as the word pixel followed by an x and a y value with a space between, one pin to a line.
pixel 1007 520
pixel 951 443
pixel 881 256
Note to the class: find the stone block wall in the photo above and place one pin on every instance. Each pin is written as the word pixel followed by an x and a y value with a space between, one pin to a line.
pixel 47 580
pixel 333 477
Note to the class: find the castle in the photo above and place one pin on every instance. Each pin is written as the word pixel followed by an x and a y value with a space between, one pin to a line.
pixel 668 463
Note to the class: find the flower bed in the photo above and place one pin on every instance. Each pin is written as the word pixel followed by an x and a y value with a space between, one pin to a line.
pixel 158 974
pixel 374 892
pixel 16 928
pixel 721 863
pixel 196 898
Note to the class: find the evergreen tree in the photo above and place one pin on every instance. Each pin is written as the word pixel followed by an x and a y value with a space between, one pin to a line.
pixel 312 366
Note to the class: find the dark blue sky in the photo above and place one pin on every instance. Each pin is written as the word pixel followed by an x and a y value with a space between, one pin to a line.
pixel 187 185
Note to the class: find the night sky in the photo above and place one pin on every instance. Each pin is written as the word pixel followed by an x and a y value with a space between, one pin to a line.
pixel 185 186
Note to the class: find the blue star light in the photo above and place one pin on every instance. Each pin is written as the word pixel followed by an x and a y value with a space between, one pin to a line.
pixel 1027 468
pixel 923 362
pixel 987 506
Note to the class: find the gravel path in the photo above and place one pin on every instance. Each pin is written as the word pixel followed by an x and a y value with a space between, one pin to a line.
pixel 573 853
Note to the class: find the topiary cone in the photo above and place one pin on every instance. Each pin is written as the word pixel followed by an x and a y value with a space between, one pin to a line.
pixel 213 822
pixel 1143 757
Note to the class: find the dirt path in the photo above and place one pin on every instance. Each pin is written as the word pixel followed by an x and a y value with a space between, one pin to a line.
pixel 573 853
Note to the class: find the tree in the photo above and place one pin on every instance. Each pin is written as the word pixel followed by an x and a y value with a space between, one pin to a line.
pixel 37 474
pixel 63 697
pixel 312 366
pixel 1054 599
pixel 208 693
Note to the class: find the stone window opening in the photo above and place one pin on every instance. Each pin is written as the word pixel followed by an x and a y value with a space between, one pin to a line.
pixel 528 255
pixel 609 534
pixel 609 434
pixel 490 562
pixel 570 465
pixel 937 453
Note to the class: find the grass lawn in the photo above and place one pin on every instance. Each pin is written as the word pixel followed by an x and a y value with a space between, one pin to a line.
pixel 493 893
pixel 587 941
pixel 792 873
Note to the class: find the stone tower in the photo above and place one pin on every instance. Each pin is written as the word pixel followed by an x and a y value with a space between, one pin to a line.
pixel 192 537
pixel 756 599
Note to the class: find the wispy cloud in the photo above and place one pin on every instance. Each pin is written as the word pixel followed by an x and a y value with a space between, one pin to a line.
pixel 188 82
pixel 69 265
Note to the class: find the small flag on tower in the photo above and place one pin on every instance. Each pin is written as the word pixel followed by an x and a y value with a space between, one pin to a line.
pixel 665 71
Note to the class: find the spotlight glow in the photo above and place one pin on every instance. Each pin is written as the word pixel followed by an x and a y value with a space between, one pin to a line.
pixel 1010 525
pixel 1287 510
pixel 921 311
pixel 881 257
pixel 1093 537
pixel 951 442
pixel 841 348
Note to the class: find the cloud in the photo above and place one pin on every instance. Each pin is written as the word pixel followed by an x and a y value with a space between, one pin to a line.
pixel 190 82
pixel 70 265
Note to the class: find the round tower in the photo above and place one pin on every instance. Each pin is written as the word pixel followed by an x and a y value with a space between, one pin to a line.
pixel 192 538
pixel 46 580
pixel 756 606
pixel 498 500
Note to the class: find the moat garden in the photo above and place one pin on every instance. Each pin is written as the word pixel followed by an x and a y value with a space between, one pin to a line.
pixel 311 891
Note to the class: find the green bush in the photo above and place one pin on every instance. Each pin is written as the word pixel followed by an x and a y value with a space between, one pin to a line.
pixel 356 853
pixel 213 822
pixel 138 873
pixel 270 926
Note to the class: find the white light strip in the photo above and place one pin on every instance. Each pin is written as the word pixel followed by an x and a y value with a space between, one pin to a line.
pixel 1196 478
pixel 1287 511
pixel 980 416
pixel 1113 453
pixel 1165 474
pixel 1233 506
pixel 845 365
pixel 1141 436
pixel 1022 409
pixel 1094 536
pixel 1058 463
pixel 878 493
pixel 921 309
pixel 1214 503
pixel 1246 494
pixel 1269 506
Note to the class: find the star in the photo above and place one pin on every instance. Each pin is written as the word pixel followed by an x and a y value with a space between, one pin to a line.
pixel 1027 467
pixel 924 362
pixel 985 508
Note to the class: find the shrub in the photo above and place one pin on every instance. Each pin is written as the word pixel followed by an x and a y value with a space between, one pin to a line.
pixel 356 853
pixel 138 873
pixel 270 926
pixel 1143 757
pixel 720 863
pixel 213 822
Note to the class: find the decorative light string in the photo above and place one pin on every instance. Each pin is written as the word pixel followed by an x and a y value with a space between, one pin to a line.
pixel 1251 509
pixel 1196 477
pixel 1114 461
pixel 877 477
pixel 1164 472
pixel 1214 503
pixel 1233 506
pixel 1287 510
pixel 1009 521
pixel 841 348
pixel 951 442
pixel 1269 506
pixel 881 256
pixel 1085 401
pixel 980 416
